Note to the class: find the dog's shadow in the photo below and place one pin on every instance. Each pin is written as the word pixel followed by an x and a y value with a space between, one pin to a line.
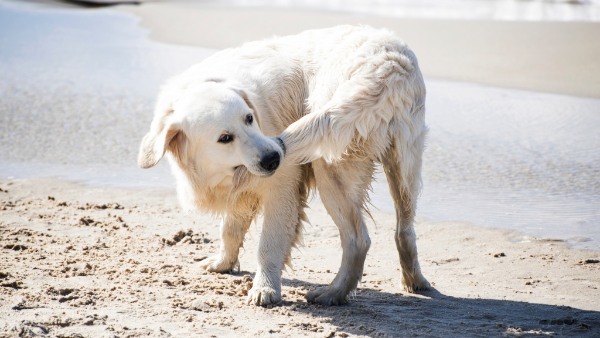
pixel 376 313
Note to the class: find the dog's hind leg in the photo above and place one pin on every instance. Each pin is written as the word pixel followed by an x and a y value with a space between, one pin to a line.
pixel 343 188
pixel 402 166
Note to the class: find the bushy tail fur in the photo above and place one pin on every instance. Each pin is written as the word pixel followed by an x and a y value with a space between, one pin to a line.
pixel 382 100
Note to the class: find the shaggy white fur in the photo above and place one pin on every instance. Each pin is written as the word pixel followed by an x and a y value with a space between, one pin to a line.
pixel 255 128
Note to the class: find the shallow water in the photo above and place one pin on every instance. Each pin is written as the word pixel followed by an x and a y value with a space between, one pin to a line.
pixel 506 10
pixel 78 85
pixel 512 159
pixel 77 92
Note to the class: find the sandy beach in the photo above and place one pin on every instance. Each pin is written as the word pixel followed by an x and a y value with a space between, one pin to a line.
pixel 91 246
pixel 105 262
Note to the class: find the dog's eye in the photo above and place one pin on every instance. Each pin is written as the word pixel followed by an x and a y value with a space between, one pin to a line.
pixel 225 138
pixel 249 119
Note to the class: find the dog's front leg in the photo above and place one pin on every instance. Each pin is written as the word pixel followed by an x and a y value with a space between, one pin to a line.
pixel 276 240
pixel 233 231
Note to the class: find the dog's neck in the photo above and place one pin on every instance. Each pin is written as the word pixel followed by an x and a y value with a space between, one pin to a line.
pixel 215 194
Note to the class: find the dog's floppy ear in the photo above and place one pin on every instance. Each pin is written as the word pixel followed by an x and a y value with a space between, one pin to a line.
pixel 156 142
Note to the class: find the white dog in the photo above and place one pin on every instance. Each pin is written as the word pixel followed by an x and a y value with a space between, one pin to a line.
pixel 334 102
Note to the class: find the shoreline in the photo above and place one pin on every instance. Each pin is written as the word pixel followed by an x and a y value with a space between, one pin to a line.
pixel 545 140
pixel 506 54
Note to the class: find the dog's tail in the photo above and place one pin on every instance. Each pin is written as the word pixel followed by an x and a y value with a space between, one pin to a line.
pixel 386 91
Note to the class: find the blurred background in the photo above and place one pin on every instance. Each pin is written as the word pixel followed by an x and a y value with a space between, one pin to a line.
pixel 513 95
pixel 557 10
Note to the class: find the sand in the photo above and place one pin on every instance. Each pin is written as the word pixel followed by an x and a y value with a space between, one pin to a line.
pixel 107 262
pixel 97 260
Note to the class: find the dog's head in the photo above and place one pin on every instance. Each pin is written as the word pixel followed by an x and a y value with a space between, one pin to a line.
pixel 212 129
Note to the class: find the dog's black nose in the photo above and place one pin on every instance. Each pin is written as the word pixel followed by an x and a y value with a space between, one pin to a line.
pixel 270 161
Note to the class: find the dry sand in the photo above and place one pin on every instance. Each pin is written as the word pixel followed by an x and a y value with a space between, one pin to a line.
pixel 80 261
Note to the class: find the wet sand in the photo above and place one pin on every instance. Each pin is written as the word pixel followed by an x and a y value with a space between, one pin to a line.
pixel 97 259
pixel 557 57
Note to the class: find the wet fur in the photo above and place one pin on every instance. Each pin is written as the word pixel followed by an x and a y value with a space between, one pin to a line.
pixel 341 100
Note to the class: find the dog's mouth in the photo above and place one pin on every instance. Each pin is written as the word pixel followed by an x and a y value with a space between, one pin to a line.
pixel 265 173
pixel 241 176
pixel 243 171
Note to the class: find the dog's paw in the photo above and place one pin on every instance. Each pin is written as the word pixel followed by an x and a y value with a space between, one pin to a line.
pixel 415 283
pixel 220 265
pixel 327 296
pixel 263 296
